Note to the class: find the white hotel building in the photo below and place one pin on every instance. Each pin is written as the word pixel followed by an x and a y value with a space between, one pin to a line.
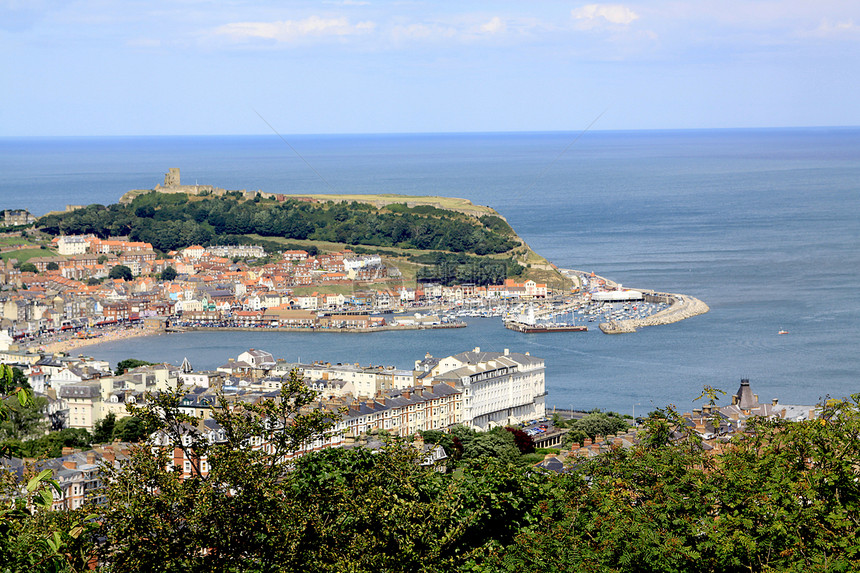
pixel 498 388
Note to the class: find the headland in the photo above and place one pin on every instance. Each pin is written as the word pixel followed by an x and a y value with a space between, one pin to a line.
pixel 389 274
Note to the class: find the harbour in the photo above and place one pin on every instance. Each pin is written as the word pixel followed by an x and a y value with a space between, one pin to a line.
pixel 761 225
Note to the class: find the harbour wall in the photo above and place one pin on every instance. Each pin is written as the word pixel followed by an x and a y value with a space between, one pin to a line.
pixel 681 306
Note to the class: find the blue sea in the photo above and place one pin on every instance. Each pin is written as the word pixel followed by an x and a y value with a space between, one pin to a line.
pixel 762 225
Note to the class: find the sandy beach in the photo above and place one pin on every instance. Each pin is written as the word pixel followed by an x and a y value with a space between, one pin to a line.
pixel 68 345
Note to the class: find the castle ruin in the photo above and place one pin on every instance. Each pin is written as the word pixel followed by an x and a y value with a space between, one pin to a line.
pixel 171 178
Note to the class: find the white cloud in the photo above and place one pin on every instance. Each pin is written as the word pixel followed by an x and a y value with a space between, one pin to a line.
pixel 294 30
pixel 494 26
pixel 596 15
pixel 423 32
pixel 828 29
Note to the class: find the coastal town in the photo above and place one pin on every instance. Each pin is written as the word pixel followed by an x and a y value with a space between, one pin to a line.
pixel 87 289
pixel 72 292
pixel 77 290
pixel 70 299
pixel 430 287
pixel 477 389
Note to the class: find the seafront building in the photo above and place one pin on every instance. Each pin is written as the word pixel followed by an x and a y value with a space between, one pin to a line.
pixel 498 388
pixel 477 389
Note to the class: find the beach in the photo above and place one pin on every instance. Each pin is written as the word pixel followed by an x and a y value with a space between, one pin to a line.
pixel 68 345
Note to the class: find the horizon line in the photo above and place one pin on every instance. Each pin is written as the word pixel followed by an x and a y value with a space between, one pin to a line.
pixel 407 133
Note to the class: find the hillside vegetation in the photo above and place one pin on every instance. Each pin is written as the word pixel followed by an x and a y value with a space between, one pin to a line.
pixel 173 221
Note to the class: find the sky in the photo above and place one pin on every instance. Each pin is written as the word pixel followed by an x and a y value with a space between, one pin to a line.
pixel 200 67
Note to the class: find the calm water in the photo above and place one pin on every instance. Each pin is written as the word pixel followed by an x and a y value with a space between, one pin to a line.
pixel 763 225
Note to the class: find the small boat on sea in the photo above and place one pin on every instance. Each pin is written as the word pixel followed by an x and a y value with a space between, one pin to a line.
pixel 782 332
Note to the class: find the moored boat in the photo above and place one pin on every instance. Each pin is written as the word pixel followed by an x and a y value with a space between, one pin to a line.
pixel 539 328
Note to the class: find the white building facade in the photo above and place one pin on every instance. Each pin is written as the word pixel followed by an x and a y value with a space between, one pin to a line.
pixel 498 388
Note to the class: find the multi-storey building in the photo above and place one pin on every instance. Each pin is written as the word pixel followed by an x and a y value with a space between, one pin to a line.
pixel 498 388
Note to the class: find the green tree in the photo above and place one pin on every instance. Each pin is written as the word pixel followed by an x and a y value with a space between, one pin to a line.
pixel 787 494
pixel 593 425
pixel 23 419
pixel 28 268
pixel 32 537
pixel 626 510
pixel 52 266
pixel 497 443
pixel 229 514
pixel 781 496
pixel 11 379
pixel 121 272
pixel 450 443
pixel 50 445
pixel 103 429
pixel 357 510
pixel 130 364
pixel 168 274
pixel 129 429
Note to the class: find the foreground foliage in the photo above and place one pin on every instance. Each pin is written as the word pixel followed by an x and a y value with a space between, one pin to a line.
pixel 32 537
pixel 783 497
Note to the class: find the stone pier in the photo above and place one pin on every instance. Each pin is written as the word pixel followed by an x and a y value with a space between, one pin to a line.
pixel 681 306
